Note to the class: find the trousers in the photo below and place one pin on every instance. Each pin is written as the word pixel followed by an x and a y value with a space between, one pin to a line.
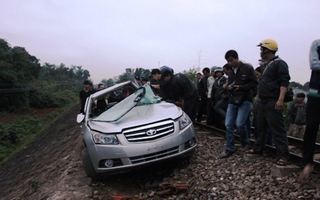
pixel 269 119
pixel 310 135
pixel 237 115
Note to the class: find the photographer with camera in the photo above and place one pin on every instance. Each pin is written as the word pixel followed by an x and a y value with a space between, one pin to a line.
pixel 241 82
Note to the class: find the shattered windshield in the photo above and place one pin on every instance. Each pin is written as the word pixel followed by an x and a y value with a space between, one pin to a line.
pixel 142 96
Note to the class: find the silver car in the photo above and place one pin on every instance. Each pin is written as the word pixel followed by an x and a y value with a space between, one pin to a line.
pixel 139 130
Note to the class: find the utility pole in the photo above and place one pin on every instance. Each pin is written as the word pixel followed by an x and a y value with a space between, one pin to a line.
pixel 199 59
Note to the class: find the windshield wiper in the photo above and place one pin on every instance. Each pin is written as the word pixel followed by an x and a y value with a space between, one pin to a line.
pixel 140 96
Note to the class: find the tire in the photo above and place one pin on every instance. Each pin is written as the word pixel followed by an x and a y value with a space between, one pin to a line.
pixel 88 167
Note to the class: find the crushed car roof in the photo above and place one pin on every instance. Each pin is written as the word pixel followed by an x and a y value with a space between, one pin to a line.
pixel 109 89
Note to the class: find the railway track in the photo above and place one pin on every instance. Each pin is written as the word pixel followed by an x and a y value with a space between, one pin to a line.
pixel 298 143
pixel 295 152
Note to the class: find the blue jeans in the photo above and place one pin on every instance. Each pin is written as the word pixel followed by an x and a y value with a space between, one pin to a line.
pixel 220 108
pixel 237 115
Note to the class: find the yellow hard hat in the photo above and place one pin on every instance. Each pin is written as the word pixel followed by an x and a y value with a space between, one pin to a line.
pixel 270 44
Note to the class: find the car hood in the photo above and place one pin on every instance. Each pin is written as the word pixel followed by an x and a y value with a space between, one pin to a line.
pixel 139 115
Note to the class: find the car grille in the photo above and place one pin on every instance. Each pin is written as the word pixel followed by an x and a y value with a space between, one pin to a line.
pixel 154 156
pixel 149 132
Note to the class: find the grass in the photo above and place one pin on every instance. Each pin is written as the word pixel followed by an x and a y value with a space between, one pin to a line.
pixel 16 136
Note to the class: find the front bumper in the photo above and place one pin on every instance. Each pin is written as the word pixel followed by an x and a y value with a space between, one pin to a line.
pixel 127 156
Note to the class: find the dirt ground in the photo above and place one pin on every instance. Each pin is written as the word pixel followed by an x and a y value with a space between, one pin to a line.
pixel 40 113
pixel 50 167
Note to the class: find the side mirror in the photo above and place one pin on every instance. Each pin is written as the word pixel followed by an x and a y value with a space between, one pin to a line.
pixel 80 118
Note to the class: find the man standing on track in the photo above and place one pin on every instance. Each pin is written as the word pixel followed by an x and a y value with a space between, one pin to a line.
pixel 272 90
pixel 203 92
pixel 241 82
pixel 313 111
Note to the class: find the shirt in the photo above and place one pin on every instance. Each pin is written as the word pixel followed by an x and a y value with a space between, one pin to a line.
pixel 274 77
pixel 210 82
pixel 314 56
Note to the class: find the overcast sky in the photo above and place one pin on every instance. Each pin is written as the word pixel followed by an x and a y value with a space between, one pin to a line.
pixel 105 37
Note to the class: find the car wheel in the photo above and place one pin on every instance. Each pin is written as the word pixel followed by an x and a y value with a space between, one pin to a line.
pixel 88 167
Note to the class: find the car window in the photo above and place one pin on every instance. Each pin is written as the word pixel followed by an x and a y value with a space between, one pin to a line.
pixel 142 96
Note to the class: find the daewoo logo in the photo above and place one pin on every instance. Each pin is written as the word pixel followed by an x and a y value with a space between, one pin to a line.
pixel 151 132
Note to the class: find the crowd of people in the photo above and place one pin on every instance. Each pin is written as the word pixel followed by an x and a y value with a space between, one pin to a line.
pixel 266 87
pixel 230 95
pixel 225 95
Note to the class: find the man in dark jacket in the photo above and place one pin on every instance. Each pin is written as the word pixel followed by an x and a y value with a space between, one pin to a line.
pixel 165 88
pixel 218 85
pixel 272 89
pixel 241 81
pixel 221 96
pixel 155 78
pixel 217 96
pixel 184 92
pixel 85 93
pixel 203 91
pixel 297 116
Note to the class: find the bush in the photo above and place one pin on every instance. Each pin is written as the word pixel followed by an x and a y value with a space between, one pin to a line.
pixel 47 99
pixel 65 97
pixel 19 129
pixel 15 136
pixel 16 103
pixel 6 136
pixel 43 99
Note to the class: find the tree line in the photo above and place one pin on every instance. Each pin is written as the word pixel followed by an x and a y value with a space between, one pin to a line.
pixel 25 83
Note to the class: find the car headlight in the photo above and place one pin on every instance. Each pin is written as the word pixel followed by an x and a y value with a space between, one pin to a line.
pixel 99 138
pixel 184 121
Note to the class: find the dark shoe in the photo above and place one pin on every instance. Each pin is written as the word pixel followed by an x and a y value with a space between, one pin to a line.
pixel 268 152
pixel 227 154
pixel 245 147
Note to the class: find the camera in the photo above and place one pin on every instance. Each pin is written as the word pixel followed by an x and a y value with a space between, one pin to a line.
pixel 231 87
